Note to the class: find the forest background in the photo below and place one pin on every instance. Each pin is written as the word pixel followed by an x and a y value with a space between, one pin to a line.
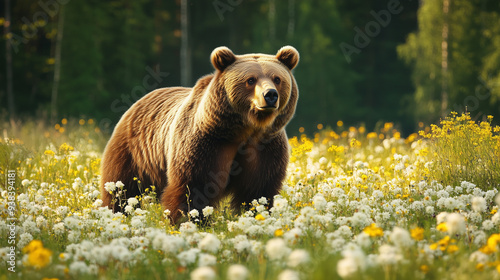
pixel 362 62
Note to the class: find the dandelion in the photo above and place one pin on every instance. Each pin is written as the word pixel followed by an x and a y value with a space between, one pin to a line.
pixel 206 260
pixel 203 273
pixel 488 225
pixel 497 199
pixel 455 223
pixel 401 237
pixel 388 255
pixel 479 204
pixel 319 202
pixel 288 274
pixel 276 249
pixel 298 257
pixel 187 228
pixel 237 272
pixel 279 205
pixel 188 257
pixel 78 267
pixel 347 267
pixel 210 243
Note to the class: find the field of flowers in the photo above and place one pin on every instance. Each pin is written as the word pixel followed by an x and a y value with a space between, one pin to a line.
pixel 355 205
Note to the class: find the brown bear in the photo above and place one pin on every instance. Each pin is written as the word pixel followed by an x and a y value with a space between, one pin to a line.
pixel 224 136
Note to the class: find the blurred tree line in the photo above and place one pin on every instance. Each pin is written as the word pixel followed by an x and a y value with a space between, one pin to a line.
pixel 361 61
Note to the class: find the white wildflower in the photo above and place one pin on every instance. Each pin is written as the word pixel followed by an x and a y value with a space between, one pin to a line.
pixel 479 204
pixel 319 202
pixel 187 228
pixel 207 211
pixel 194 213
pixel 210 243
pixel 110 187
pixel 237 272
pixel 455 223
pixel 188 257
pixel 276 249
pixel 388 255
pixel 203 273
pixel 206 260
pixel 288 274
pixel 132 201
pixel 119 185
pixel 401 237
pixel 298 257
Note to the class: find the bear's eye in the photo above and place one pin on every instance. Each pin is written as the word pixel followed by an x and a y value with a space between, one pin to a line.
pixel 251 81
pixel 277 80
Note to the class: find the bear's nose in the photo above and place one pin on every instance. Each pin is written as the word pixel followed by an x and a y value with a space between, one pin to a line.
pixel 271 96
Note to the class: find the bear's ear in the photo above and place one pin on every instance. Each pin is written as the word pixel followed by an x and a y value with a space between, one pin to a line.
pixel 289 56
pixel 222 57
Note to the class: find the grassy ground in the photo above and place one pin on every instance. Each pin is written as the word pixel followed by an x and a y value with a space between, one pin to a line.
pixel 355 205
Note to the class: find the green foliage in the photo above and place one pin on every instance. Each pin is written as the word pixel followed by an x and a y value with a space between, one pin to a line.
pixel 472 75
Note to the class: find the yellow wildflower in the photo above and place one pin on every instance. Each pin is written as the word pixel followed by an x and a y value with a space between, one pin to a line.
pixel 65 148
pixel 39 258
pixel 259 217
pixel 480 266
pixel 32 246
pixel 417 233
pixel 372 135
pixel 442 227
pixel 373 231
pixel 424 268
pixel 452 249
pixel 355 143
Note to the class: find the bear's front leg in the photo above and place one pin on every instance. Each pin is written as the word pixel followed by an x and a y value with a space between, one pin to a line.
pixel 198 179
pixel 260 168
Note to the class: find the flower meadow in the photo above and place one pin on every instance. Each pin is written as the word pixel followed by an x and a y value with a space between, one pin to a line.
pixel 355 205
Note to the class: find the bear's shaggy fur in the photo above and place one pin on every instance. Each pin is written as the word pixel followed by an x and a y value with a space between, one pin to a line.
pixel 226 135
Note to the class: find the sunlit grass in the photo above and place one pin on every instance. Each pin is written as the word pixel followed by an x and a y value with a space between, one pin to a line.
pixel 356 204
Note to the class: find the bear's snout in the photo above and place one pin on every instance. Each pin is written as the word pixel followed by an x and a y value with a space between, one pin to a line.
pixel 271 98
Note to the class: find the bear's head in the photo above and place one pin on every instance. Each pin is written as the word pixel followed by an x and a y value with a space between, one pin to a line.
pixel 259 87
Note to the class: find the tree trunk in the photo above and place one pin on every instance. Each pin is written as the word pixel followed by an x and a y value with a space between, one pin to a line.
pixel 444 59
pixel 8 63
pixel 185 53
pixel 291 19
pixel 272 20
pixel 57 64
